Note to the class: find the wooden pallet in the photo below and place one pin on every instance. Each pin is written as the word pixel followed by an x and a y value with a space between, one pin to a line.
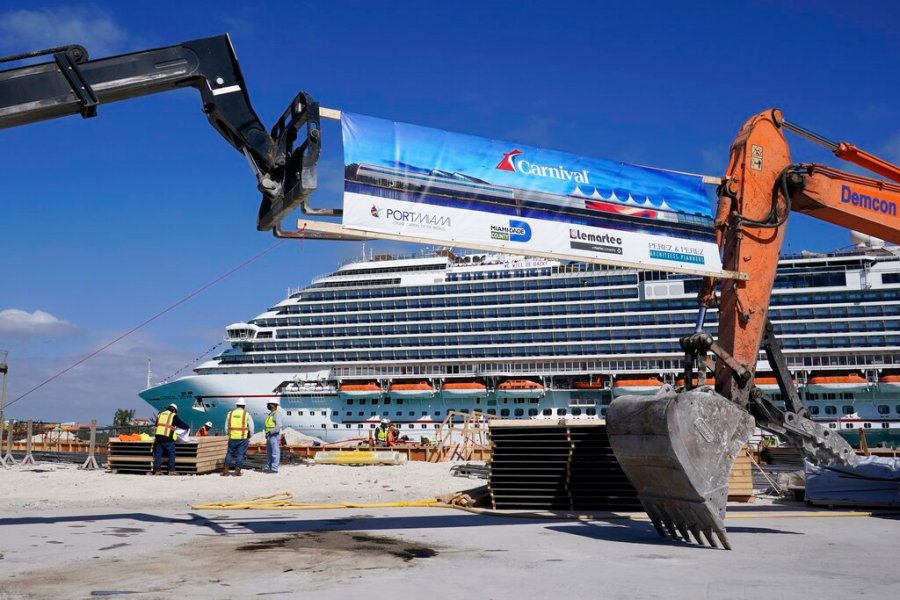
pixel 206 455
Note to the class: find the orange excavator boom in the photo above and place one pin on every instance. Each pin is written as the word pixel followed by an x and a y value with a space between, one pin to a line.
pixel 678 447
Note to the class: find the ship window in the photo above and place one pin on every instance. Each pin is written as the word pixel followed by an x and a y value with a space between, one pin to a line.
pixel 348 426
pixel 371 425
pixel 399 400
pixel 867 425
pixel 519 412
pixel 359 426
pixel 561 412
pixel 532 412
pixel 299 413
pixel 603 412
pixel 848 426
pixel 387 400
pixel 832 426
pixel 324 413
pixel 288 413
pixel 424 426
pixel 324 426
pixel 334 413
pixel 437 413
pixel 830 410
pixel 591 412
pixel 361 414
pixel 897 409
pixel 884 409
pixel 504 412
pixel 547 412
pixel 847 409
pixel 492 411
pixel 361 401
pixel 576 412
pixel 335 425
pixel 885 425
pixel 813 410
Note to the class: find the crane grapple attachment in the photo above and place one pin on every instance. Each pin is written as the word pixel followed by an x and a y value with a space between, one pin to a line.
pixel 677 449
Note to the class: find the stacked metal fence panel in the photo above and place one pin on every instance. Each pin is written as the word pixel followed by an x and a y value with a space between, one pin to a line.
pixel 559 465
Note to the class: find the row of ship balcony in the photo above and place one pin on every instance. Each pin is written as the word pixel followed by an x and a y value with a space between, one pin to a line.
pixel 525 387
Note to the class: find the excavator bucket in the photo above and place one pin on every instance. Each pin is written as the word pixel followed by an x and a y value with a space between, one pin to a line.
pixel 677 449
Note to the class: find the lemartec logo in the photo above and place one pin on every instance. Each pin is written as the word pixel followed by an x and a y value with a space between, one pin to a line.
pixel 518 231
pixel 512 162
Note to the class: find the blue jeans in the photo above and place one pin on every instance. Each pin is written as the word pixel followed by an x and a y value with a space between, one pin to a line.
pixel 236 451
pixel 273 452
pixel 167 445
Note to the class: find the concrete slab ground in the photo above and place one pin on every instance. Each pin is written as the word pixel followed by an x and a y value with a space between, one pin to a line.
pixel 428 553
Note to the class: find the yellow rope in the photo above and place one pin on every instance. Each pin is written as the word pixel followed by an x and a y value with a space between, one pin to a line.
pixel 284 501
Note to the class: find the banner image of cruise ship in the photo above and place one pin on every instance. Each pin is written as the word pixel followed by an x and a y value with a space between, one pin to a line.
pixel 472 192
pixel 410 338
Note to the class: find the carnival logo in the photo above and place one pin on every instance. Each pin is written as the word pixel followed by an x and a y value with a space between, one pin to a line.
pixel 518 231
pixel 512 162
pixel 374 212
pixel 507 163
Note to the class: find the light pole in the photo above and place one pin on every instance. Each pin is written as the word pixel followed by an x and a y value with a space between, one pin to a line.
pixel 5 460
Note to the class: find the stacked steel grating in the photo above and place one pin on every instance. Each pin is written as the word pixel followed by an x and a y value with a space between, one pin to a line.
pixel 566 465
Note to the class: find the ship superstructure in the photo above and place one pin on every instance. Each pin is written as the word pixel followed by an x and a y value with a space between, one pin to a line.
pixel 410 338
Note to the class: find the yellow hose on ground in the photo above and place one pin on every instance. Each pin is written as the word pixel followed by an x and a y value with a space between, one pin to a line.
pixel 284 501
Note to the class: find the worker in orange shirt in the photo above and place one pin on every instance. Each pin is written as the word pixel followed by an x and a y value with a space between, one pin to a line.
pixel 204 430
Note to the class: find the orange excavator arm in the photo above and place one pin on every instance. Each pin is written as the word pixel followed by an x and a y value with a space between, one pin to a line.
pixel 677 448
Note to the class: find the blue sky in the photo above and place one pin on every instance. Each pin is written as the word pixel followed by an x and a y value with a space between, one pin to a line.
pixel 107 221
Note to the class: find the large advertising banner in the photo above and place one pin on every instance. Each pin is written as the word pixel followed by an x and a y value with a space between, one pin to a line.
pixel 464 190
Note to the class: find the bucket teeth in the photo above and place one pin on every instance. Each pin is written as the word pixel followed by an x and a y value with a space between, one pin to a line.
pixel 677 449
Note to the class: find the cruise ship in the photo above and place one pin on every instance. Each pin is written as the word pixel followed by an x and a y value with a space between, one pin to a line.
pixel 410 338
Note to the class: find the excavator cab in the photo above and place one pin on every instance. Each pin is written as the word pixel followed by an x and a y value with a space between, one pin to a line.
pixel 678 447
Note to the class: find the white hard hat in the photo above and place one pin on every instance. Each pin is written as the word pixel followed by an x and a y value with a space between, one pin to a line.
pixel 240 402
pixel 173 406
pixel 385 420
pixel 273 401
pixel 208 423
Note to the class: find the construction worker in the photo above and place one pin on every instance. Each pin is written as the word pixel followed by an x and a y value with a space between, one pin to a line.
pixel 382 432
pixel 238 428
pixel 204 430
pixel 274 425
pixel 167 422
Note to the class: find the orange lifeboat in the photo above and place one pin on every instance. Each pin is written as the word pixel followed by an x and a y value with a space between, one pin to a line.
pixel 695 382
pixel 889 382
pixel 417 389
pixel 520 388
pixel 368 389
pixel 836 382
pixel 636 384
pixel 464 388
pixel 766 382
pixel 594 383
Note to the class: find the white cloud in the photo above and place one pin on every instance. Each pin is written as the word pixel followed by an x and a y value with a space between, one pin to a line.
pixel 24 30
pixel 15 321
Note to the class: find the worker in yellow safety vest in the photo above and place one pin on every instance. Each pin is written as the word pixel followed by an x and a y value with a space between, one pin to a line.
pixel 274 425
pixel 167 422
pixel 238 428
pixel 383 433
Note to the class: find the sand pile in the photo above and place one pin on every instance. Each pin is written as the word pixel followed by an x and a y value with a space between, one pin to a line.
pixel 54 485
pixel 292 437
